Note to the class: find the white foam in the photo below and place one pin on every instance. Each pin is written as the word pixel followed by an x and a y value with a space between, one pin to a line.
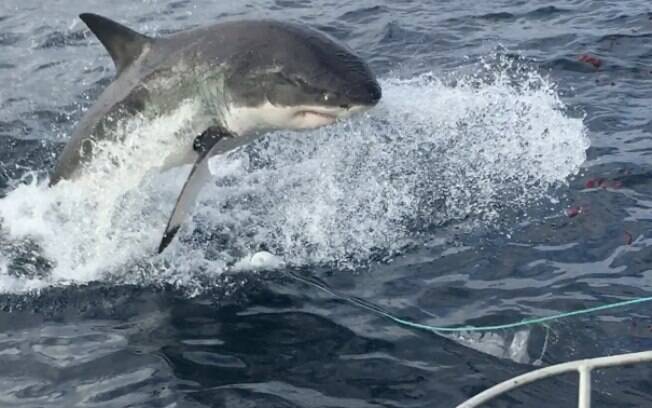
pixel 430 153
pixel 94 225
pixel 259 261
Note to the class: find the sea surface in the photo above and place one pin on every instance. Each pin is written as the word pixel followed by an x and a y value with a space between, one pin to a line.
pixel 505 175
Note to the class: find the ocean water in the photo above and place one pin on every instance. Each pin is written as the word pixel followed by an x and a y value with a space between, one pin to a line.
pixel 504 175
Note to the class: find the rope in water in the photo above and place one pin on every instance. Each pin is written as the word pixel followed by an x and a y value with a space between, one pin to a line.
pixel 437 329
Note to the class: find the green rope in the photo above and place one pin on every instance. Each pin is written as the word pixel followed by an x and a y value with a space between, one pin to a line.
pixel 436 329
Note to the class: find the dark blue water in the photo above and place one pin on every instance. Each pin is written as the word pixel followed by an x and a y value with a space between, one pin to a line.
pixel 501 178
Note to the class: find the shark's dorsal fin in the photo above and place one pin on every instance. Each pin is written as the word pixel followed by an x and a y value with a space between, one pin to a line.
pixel 123 44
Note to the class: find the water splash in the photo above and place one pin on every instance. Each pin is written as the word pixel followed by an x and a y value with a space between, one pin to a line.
pixel 432 153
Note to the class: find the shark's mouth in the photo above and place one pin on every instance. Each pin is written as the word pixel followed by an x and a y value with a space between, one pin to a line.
pixel 323 115
pixel 311 118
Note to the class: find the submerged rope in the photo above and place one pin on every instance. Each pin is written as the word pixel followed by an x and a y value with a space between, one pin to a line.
pixel 460 329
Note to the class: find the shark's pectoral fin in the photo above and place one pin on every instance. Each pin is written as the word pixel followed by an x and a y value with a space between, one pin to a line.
pixel 207 144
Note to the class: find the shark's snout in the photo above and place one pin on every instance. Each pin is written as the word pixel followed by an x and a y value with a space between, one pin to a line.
pixel 367 93
pixel 374 93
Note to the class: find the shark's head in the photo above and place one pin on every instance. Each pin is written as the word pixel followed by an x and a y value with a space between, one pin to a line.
pixel 296 78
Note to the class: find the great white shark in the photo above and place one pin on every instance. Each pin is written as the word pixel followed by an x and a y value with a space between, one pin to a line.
pixel 249 77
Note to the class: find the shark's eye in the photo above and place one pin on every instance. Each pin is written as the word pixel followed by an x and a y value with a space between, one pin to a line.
pixel 327 96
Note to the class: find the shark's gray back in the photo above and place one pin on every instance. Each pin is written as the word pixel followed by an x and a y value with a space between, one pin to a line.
pixel 185 59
